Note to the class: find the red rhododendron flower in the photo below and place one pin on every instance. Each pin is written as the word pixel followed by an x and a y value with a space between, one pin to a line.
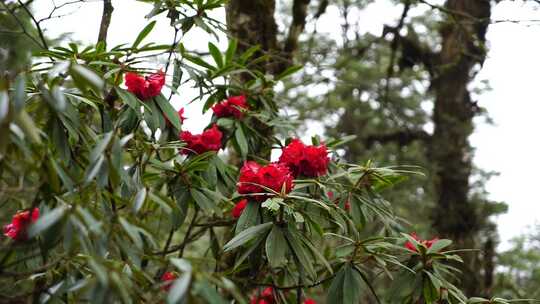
pixel 265 297
pixel 239 207
pixel 309 301
pixel 19 224
pixel 209 140
pixel 347 205
pixel 428 243
pixel 145 87
pixel 272 176
pixel 310 161
pixel 231 107
pixel 330 194
pixel 168 277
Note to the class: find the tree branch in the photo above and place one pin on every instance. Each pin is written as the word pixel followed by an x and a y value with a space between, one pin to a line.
pixel 299 13
pixel 105 21
pixel 36 23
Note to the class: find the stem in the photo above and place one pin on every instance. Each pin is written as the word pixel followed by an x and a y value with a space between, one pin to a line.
pixel 188 232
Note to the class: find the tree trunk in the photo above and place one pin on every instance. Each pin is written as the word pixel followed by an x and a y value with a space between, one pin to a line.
pixel 252 23
pixel 463 47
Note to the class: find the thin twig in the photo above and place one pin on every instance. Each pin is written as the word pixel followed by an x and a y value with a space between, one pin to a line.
pixel 36 23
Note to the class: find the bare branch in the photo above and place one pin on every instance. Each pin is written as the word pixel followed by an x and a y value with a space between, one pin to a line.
pixel 105 21
pixel 36 23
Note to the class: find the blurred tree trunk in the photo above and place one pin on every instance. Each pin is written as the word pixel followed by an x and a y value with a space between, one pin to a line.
pixel 252 23
pixel 463 50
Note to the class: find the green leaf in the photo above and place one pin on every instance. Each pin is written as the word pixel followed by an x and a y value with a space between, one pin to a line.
pixel 133 102
pixel 4 106
pixel 241 141
pixel 177 74
pixel 272 204
pixel 300 254
pixel 202 200
pixel 351 286
pixel 345 288
pixel 276 247
pixel 169 111
pixel 88 77
pixel 19 96
pixel 146 30
pixel 249 216
pixel 231 50
pixel 216 54
pixel 335 292
pixel 154 117
pixel 199 61
pixel 138 202
pixel 474 300
pixel 438 246
pixel 45 221
pixel 179 289
pixel 289 71
pixel 246 235
pixel 132 231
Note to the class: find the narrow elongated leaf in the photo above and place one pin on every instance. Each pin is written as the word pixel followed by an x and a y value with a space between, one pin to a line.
pixel 301 254
pixel 88 77
pixel 130 99
pixel 246 235
pixel 248 217
pixel 241 141
pixel 202 200
pixel 132 231
pixel 145 31
pixel 19 96
pixel 179 289
pixel 438 246
pixel 138 202
pixel 345 288
pixel 177 74
pixel 276 247
pixel 231 50
pixel 4 105
pixel 216 54
pixel 169 111
pixel 45 221
pixel 351 286
pixel 289 71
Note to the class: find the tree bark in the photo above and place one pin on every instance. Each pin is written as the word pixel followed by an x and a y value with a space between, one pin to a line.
pixel 252 23
pixel 463 47
pixel 105 21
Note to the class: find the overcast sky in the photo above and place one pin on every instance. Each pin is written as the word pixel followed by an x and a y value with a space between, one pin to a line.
pixel 511 146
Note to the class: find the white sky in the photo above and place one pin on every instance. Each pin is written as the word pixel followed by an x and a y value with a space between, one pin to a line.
pixel 511 146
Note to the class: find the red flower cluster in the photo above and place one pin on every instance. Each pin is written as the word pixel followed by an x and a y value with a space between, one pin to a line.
pixel 168 278
pixel 428 243
pixel 272 176
pixel 209 140
pixel 309 301
pixel 145 87
pixel 265 297
pixel 310 161
pixel 231 107
pixel 239 208
pixel 19 224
